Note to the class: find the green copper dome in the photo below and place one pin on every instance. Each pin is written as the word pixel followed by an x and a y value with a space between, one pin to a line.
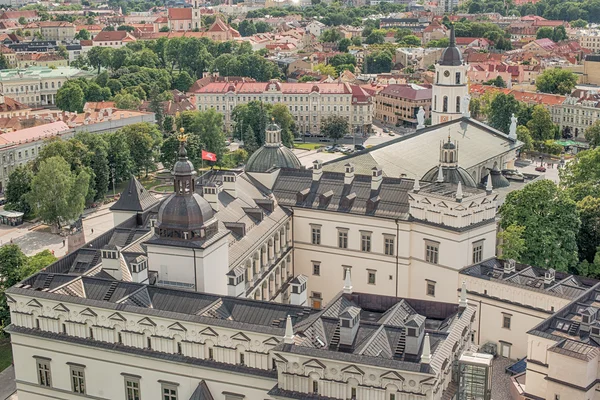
pixel 268 157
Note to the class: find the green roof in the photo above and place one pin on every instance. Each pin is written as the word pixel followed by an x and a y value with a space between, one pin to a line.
pixel 42 72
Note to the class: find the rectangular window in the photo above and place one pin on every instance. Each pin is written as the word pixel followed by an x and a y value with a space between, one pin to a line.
pixel 77 379
pixel 506 321
pixel 477 252
pixel 317 300
pixel 211 354
pixel 431 288
pixel 242 359
pixel 132 388
pixel 316 234
pixel 388 243
pixel 343 239
pixel 432 252
pixel 365 241
pixel 44 376
pixel 371 277
pixel 316 269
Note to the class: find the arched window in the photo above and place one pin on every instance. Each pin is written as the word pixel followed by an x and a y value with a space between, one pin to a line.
pixel 458 78
pixel 451 157
pixel 445 105
pixel 457 104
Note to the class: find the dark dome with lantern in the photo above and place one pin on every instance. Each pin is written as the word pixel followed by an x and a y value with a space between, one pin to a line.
pixel 184 214
pixel 451 175
pixel 273 154
pixel 451 55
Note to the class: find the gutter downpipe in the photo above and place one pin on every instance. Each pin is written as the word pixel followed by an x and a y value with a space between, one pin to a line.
pixel 397 250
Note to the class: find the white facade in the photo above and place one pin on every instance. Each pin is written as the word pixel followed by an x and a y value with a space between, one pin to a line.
pixel 449 88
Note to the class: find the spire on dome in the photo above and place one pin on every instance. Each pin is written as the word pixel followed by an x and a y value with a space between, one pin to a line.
pixel 347 282
pixel 426 353
pixel 417 185
pixel 459 192
pixel 289 331
pixel 440 177
pixel 463 295
pixel 488 186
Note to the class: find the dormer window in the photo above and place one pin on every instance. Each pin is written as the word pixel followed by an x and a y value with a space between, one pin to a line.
pixel 596 331
pixel 586 319
pixel 412 332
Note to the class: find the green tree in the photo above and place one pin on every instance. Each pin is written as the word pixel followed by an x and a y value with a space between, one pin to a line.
pixel 402 33
pixel 524 136
pixel 331 36
pixel 475 107
pixel 551 224
pixel 182 81
pixel 282 116
pixel 581 176
pixel 512 243
pixel 17 189
pixel 592 134
pixel 334 127
pixel 83 34
pixel 254 114
pixel 3 62
pixel 497 82
pixel 70 97
pixel 247 28
pixel 356 41
pixel 250 143
pixel 127 101
pixel 344 44
pixel 262 27
pixel 545 32
pixel 579 23
pixel 36 262
pixel 440 43
pixel 168 124
pixel 208 127
pixel 376 37
pixel 97 57
pixel 326 69
pixel 559 34
pixel 98 163
pixel 156 106
pixel 307 78
pixel 541 125
pixel 62 51
pixel 143 139
pixel 164 29
pixel 410 40
pixel 500 111
pixel 378 61
pixel 588 237
pixel 57 194
pixel 556 81
pixel 22 21
pixel 119 157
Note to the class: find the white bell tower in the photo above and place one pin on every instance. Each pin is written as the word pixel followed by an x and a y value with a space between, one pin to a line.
pixel 196 16
pixel 450 85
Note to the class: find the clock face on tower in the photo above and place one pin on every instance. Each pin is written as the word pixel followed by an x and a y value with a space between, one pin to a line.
pixel 446 73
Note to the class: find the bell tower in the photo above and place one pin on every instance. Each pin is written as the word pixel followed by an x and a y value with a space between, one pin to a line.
pixel 196 16
pixel 450 85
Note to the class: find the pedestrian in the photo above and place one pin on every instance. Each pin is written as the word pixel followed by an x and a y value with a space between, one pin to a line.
pixel 63 242
pixel 92 231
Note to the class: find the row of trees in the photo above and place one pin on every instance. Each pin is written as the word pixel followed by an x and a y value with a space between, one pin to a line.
pixel 14 267
pixel 67 174
pixel 557 226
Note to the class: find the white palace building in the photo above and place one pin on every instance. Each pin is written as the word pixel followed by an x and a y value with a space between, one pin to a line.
pixel 344 281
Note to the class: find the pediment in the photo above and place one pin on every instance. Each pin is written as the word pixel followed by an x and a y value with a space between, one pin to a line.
pixel 314 363
pixel 208 331
pixel 240 336
pixel 117 317
pixel 459 208
pixel 34 303
pixel 393 375
pixel 473 204
pixel 280 357
pixel 353 369
pixel 442 204
pixel 425 201
pixel 177 327
pixel 88 313
pixel 146 322
pixel 485 200
pixel 272 341
pixel 9 299
pixel 60 307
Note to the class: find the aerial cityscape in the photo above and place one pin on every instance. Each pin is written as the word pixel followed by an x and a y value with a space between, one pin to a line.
pixel 300 199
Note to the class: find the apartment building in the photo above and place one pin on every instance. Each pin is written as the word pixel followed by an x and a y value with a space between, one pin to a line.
pixel 399 104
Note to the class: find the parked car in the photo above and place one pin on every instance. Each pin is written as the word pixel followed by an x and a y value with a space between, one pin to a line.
pixel 325 140
pixel 540 169
pixel 345 149
pixel 392 134
pixel 329 148
pixel 348 136
pixel 2 202
pixel 513 174
pixel 386 130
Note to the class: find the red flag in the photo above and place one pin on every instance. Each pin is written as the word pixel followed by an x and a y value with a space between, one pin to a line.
pixel 208 156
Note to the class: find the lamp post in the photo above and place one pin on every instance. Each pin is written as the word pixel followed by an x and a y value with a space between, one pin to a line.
pixel 113 170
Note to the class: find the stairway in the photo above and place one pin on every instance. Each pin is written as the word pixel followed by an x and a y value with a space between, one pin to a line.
pixel 48 281
pixel 574 328
pixel 95 259
pixel 335 339
pixel 130 237
pixel 401 345
pixel 110 291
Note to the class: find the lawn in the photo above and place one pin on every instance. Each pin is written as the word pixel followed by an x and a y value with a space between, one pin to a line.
pixel 307 146
pixel 5 354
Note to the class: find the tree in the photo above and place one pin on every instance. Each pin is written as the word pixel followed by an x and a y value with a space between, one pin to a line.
pixel 524 136
pixel 475 107
pixel 83 34
pixel 512 243
pixel 410 40
pixel 592 134
pixel 57 194
pixel 541 125
pixel 326 69
pixel 579 23
pixel 168 124
pixel 378 61
pixel 247 28
pixel 282 117
pixel 376 37
pixel 143 139
pixel 440 43
pixel 331 36
pixel 62 51
pixel 250 143
pixel 98 56
pixel 17 189
pixel 581 176
pixel 70 97
pixel 556 81
pixel 356 41
pixel 127 28
pixel 545 32
pixel 164 29
pixel 208 127
pixel 497 82
pixel 119 157
pixel 551 224
pixel 559 34
pixel 262 27
pixel 344 44
pixel 22 21
pixel 500 111
pixel 307 78
pixel 334 127
pixel 127 101
pixel 588 237
pixel 402 33
pixel 98 163
pixel 182 81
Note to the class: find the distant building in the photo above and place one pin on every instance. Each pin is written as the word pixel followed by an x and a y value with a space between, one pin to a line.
pixel 399 104
pixel 114 39
pixel 591 70
pixel 54 30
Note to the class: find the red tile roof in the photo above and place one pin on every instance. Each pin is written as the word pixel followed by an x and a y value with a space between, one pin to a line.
pixel 11 104
pixel 19 14
pixel 33 134
pixel 180 13
pixel 407 92
pixel 106 36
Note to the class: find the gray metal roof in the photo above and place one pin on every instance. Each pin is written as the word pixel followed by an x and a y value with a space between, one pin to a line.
pixel 268 157
pixel 202 392
pixel 135 197
pixel 412 155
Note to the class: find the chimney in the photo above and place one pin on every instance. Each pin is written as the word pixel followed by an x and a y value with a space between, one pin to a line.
pixel 347 282
pixel 463 296
pixel 459 193
pixel 317 170
pixel 229 184
pixel 416 186
pixel 211 193
pixel 376 178
pixel 549 276
pixel 349 175
pixel 349 323
pixel 289 331
pixel 509 266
